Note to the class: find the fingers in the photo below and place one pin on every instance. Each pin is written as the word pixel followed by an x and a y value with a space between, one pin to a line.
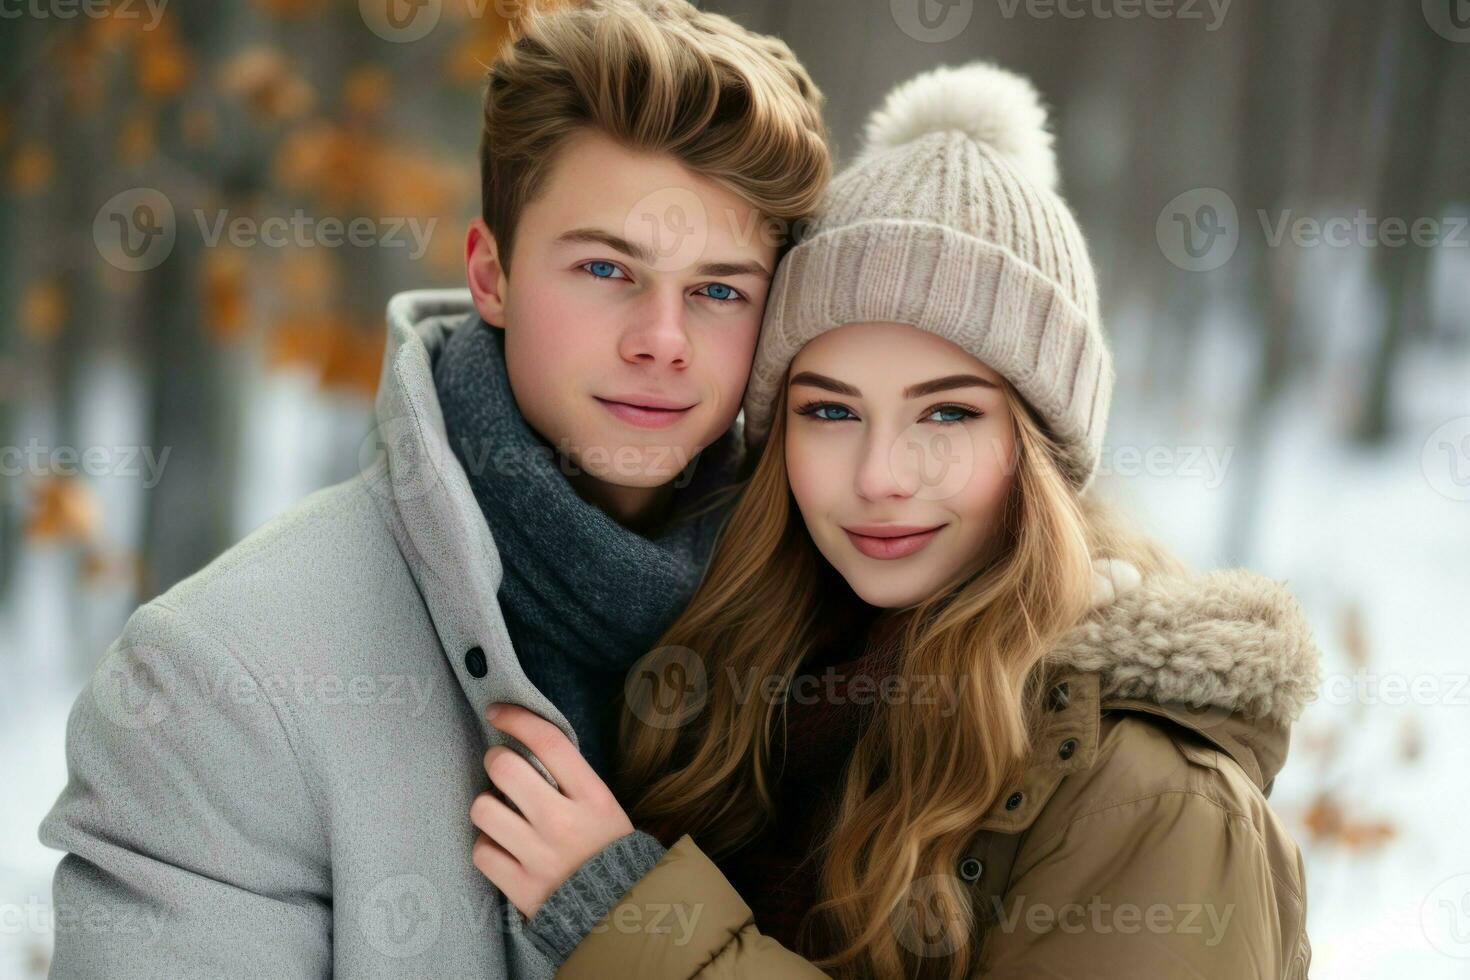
pixel 546 742
pixel 507 828
pixel 503 870
pixel 520 782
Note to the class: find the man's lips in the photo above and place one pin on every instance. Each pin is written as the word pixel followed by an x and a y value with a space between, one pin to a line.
pixel 640 400
pixel 645 411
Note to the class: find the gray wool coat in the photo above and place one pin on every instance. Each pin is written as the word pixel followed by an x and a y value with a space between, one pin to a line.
pixel 271 769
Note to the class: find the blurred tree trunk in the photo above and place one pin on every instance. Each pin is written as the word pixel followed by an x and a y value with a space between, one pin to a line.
pixel 1405 192
pixel 11 354
pixel 192 380
pixel 1271 116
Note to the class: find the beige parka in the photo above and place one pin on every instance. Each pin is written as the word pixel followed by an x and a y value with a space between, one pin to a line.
pixel 1139 842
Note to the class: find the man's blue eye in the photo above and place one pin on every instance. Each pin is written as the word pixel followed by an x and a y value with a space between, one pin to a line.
pixel 721 292
pixel 602 270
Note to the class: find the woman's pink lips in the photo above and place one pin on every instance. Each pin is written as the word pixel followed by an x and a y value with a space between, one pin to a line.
pixel 644 418
pixel 886 548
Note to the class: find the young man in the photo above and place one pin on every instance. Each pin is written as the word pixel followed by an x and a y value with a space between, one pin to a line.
pixel 272 768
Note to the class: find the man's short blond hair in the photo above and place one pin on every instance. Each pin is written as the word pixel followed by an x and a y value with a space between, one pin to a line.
pixel 657 76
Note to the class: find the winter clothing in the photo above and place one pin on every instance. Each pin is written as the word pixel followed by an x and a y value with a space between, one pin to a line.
pixel 271 771
pixel 949 221
pixel 583 596
pixel 580 902
pixel 826 710
pixel 1141 810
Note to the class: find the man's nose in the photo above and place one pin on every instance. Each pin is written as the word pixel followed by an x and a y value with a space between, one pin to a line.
pixel 657 332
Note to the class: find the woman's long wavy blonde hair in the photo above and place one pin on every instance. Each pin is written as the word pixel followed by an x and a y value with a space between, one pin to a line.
pixel 922 774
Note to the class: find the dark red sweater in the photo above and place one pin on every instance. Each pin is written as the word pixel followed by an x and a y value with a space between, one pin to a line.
pixel 777 872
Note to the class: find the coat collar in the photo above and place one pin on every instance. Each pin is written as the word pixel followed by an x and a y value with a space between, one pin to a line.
pixel 1226 654
pixel 425 497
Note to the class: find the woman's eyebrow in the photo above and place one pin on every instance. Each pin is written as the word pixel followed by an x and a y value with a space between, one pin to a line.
pixel 946 383
pixel 912 391
pixel 825 383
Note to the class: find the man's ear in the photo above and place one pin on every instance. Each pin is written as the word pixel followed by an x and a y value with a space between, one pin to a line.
pixel 486 275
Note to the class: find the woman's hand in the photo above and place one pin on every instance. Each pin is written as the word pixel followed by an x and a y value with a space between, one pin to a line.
pixel 528 855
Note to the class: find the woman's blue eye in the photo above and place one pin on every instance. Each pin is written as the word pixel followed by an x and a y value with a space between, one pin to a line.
pixel 602 270
pixel 959 414
pixel 720 292
pixel 830 408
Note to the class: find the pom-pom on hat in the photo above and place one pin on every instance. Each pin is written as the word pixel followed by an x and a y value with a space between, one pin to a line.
pixel 949 220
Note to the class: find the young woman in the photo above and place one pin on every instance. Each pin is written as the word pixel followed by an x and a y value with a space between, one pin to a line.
pixel 930 713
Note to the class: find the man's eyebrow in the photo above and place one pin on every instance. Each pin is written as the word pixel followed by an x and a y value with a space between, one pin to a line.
pixel 912 391
pixel 599 237
pixel 733 269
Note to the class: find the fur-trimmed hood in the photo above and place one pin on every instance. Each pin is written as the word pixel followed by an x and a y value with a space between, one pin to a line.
pixel 1227 653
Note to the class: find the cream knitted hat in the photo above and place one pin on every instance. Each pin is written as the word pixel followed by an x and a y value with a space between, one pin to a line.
pixel 949 221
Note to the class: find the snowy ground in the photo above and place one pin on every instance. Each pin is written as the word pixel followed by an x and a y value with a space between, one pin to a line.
pixel 33 772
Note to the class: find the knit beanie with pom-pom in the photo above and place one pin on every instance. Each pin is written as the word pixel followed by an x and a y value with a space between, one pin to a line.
pixel 949 220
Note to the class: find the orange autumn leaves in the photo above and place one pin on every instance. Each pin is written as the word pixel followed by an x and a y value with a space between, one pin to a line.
pixel 43 309
pixel 330 152
pixel 1328 820
pixel 344 354
pixel 64 511
pixel 341 353
pixel 1329 817
pixel 264 79
pixel 61 510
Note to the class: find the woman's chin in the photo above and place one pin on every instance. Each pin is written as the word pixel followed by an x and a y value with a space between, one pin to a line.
pixel 893 590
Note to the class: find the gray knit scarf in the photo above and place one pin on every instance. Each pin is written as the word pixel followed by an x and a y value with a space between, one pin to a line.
pixel 583 596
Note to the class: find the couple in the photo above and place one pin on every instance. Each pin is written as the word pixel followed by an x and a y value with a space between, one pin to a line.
pixel 869 686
